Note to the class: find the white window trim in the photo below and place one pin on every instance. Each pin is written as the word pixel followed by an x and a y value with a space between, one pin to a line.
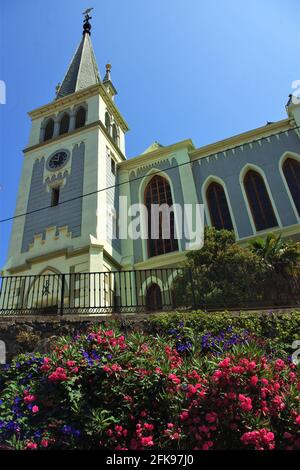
pixel 215 179
pixel 148 283
pixel 245 169
pixel 282 159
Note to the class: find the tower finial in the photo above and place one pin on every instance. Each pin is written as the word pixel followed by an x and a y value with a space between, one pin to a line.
pixel 86 22
pixel 108 69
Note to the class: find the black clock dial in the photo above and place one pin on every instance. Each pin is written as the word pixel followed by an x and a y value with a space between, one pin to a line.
pixel 57 160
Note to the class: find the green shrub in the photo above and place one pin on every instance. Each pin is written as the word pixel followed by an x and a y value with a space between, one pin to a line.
pixel 105 390
pixel 282 327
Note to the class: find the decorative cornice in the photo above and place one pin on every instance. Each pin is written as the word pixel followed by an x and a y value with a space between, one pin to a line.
pixel 162 152
pixel 162 260
pixel 112 260
pixel 241 139
pixel 75 98
pixel 67 252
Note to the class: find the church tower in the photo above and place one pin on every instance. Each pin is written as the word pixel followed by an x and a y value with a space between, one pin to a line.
pixel 76 142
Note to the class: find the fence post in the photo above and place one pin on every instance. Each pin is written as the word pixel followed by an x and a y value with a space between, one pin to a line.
pixel 192 286
pixel 62 294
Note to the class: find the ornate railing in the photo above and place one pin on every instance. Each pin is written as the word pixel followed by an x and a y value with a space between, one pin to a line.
pixel 127 291
pixel 103 292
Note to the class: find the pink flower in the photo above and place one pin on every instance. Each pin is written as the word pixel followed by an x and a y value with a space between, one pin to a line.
pixel 29 398
pixel 211 417
pixel 35 409
pixel 217 375
pixel 31 445
pixel 184 416
pixel 207 445
pixel 225 362
pixel 147 441
pixel 149 427
pixel 251 366
pixel 279 364
pixel 174 378
pixel 245 402
pixel 44 443
pixel 297 420
pixel 254 380
pixel 59 375
pixel 70 363
pixel 260 440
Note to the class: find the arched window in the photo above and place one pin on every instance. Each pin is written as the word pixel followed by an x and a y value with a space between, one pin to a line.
pixel 80 118
pixel 49 129
pixel 153 298
pixel 158 191
pixel 291 171
pixel 107 122
pixel 259 201
pixel 115 133
pixel 218 207
pixel 64 124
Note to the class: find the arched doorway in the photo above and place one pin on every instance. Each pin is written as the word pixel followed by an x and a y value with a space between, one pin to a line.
pixel 153 298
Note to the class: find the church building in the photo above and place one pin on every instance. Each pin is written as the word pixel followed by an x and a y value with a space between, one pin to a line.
pixel 75 170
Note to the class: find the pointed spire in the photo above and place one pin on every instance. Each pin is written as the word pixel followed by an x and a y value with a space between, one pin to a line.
pixel 83 70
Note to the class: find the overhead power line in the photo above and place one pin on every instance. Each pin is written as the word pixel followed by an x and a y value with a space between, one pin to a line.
pixel 143 176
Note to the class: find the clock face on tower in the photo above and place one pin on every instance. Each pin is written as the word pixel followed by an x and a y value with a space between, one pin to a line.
pixel 57 160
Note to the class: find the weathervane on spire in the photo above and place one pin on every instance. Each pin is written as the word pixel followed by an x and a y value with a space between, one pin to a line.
pixel 86 22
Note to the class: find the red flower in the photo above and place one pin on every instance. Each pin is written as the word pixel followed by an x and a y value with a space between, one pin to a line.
pixel 29 398
pixel 174 378
pixel 211 417
pixel 35 409
pixel 254 380
pixel 184 416
pixel 245 402
pixel 70 363
pixel 225 362
pixel 297 420
pixel 147 441
pixel 149 427
pixel 260 440
pixel 31 445
pixel 279 364
pixel 59 375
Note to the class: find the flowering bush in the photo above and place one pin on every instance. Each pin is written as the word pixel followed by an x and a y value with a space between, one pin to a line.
pixel 281 328
pixel 102 390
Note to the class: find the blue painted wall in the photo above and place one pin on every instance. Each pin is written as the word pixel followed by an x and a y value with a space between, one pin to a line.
pixel 69 214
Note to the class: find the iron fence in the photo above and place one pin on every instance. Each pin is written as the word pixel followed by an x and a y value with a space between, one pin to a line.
pixel 130 291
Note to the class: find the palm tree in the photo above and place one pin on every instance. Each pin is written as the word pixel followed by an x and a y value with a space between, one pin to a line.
pixel 279 255
pixel 282 261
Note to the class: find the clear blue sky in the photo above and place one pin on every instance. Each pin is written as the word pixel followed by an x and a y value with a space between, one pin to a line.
pixel 199 69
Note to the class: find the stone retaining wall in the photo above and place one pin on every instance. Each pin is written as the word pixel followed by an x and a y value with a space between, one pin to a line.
pixel 37 333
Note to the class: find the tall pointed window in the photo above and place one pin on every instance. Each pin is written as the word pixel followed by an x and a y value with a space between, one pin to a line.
pixel 115 133
pixel 158 191
pixel 49 130
pixel 64 124
pixel 291 171
pixel 80 118
pixel 218 207
pixel 259 201
pixel 107 122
